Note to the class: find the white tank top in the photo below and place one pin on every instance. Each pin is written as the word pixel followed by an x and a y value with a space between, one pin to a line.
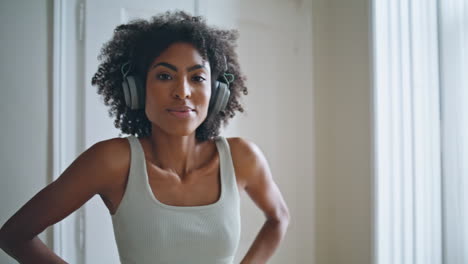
pixel 148 231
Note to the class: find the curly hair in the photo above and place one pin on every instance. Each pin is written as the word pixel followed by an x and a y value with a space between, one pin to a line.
pixel 141 41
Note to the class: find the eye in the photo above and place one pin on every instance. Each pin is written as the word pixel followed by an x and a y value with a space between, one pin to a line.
pixel 198 78
pixel 163 76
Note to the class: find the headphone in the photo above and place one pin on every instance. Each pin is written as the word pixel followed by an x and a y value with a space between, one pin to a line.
pixel 134 90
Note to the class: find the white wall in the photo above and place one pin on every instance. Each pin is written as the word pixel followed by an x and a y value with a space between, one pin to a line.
pixel 25 74
pixel 342 96
pixel 275 53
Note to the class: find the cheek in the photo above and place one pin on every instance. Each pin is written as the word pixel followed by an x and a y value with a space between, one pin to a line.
pixel 155 94
pixel 153 101
pixel 206 98
pixel 208 93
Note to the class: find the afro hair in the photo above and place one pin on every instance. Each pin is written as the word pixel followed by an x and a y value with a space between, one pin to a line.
pixel 141 41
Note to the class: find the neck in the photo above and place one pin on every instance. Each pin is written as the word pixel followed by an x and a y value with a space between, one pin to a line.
pixel 176 154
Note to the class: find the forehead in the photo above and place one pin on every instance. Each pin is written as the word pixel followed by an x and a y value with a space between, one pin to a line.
pixel 181 54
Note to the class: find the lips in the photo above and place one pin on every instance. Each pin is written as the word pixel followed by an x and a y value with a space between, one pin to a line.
pixel 180 109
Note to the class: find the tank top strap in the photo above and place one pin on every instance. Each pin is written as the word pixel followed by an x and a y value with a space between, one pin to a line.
pixel 227 166
pixel 138 164
pixel 135 179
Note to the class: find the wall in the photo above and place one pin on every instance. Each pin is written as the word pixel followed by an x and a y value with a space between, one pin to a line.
pixel 26 55
pixel 275 54
pixel 343 122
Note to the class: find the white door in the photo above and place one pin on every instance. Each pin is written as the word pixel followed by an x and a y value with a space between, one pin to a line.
pixel 101 18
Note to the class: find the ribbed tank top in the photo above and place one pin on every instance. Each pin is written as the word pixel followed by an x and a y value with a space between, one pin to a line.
pixel 148 231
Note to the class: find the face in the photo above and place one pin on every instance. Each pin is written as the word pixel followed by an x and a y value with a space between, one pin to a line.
pixel 178 78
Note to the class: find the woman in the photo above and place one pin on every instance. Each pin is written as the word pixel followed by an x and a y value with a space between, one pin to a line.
pixel 172 187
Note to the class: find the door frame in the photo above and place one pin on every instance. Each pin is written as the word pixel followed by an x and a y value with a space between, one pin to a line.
pixel 68 234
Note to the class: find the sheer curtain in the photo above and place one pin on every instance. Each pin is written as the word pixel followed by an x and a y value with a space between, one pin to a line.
pixel 421 128
pixel 453 31
pixel 408 227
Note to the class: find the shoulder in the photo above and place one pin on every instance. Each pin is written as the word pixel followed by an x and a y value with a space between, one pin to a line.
pixel 243 148
pixel 112 159
pixel 113 144
pixel 111 151
pixel 247 158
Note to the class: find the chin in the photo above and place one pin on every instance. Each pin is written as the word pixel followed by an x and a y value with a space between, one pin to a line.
pixel 182 132
pixel 176 128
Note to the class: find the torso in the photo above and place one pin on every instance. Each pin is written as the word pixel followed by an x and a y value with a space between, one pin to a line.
pixel 200 187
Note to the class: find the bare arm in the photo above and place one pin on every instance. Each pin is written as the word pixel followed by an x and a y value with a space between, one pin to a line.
pixel 253 167
pixel 32 251
pixel 84 178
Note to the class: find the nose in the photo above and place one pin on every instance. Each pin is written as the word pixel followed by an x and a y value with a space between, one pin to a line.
pixel 182 90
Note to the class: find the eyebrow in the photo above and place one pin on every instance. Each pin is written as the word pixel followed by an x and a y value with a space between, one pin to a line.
pixel 174 68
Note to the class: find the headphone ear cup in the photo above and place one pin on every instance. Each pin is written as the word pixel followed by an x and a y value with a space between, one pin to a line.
pixel 219 98
pixel 214 95
pixel 140 85
pixel 223 96
pixel 134 92
pixel 126 91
